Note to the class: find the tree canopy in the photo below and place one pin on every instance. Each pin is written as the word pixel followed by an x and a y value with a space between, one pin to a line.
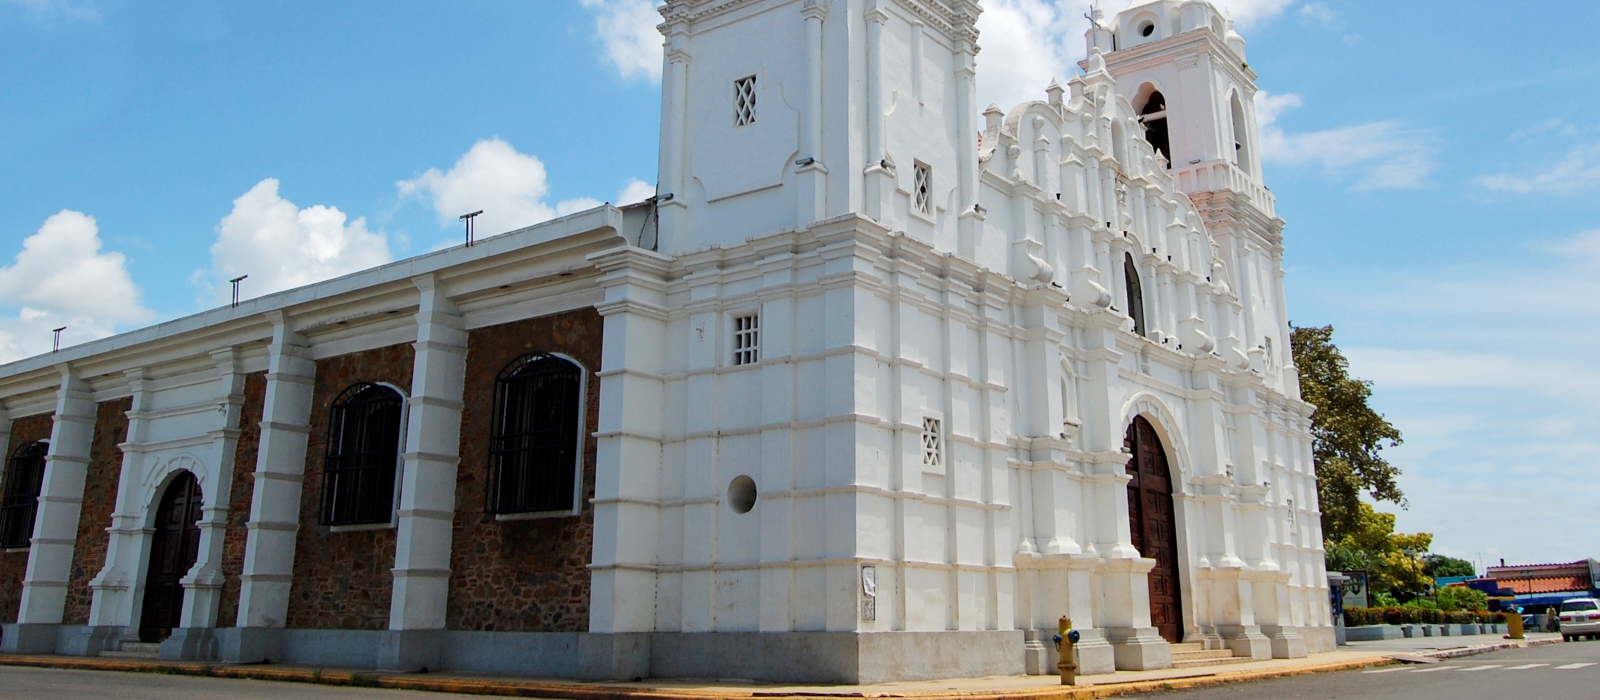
pixel 1393 562
pixel 1347 435
pixel 1437 565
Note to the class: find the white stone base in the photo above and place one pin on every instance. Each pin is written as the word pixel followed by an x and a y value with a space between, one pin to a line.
pixel 28 638
pixel 1139 648
pixel 809 657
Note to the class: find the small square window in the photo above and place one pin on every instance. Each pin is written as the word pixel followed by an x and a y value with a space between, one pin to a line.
pixel 922 189
pixel 932 443
pixel 744 101
pixel 746 339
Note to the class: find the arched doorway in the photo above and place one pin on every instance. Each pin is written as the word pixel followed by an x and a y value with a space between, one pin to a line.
pixel 1153 525
pixel 173 550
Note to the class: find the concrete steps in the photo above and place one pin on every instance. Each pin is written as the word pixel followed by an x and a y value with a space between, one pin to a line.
pixel 135 650
pixel 1192 654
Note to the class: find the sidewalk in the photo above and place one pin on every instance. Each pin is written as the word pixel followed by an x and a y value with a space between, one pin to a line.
pixel 1358 655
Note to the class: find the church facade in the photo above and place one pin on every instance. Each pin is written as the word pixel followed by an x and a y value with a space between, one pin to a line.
pixel 877 387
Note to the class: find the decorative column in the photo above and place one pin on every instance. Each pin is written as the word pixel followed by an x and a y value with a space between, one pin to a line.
pixel 812 176
pixel 55 529
pixel 672 210
pixel 878 178
pixel 196 638
pixel 275 502
pixel 969 228
pixel 627 471
pixel 111 613
pixel 428 485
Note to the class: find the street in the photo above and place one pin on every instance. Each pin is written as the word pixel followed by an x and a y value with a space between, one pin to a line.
pixel 1553 671
pixel 23 682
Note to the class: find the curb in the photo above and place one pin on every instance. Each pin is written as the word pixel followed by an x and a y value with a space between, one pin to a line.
pixel 582 691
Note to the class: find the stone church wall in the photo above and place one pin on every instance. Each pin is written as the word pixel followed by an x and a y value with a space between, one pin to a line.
pixel 99 500
pixel 244 467
pixel 13 565
pixel 342 580
pixel 521 575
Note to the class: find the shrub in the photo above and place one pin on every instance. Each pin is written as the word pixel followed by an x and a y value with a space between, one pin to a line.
pixel 1417 615
pixel 1461 598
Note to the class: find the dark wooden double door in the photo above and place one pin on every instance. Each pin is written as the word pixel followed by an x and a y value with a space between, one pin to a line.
pixel 1154 527
pixel 175 546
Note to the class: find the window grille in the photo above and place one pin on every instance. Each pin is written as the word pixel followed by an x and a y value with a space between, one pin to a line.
pixel 533 451
pixel 932 443
pixel 746 339
pixel 24 478
pixel 922 189
pixel 363 455
pixel 744 101
pixel 1293 521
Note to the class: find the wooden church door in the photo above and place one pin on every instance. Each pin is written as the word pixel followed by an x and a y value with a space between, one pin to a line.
pixel 1154 528
pixel 175 546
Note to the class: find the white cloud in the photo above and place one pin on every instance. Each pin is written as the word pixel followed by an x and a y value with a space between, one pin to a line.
pixel 1318 13
pixel 627 28
pixel 62 278
pixel 635 191
pixel 1380 155
pixel 1578 170
pixel 1026 44
pixel 281 246
pixel 508 186
pixel 1488 370
pixel 69 10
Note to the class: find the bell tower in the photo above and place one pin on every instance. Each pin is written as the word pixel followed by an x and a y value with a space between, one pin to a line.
pixel 779 113
pixel 1182 67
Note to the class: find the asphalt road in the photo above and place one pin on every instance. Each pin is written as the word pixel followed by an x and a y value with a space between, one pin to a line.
pixel 1570 670
pixel 22 682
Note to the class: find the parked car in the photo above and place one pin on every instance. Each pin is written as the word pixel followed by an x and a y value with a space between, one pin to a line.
pixel 1580 617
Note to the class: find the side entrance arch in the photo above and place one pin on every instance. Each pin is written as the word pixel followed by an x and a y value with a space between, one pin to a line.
pixel 173 550
pixel 1153 525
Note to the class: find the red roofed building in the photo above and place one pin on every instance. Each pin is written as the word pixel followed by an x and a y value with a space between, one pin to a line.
pixel 1539 579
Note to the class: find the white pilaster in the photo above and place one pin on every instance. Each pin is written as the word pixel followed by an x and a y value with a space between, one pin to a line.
pixel 275 502
pixel 629 443
pixel 203 584
pixel 428 481
pixel 55 529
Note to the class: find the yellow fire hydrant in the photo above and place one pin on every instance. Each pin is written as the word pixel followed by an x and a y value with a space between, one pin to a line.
pixel 1066 637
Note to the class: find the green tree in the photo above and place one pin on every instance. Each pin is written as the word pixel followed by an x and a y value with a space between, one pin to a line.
pixel 1347 435
pixel 1393 561
pixel 1437 565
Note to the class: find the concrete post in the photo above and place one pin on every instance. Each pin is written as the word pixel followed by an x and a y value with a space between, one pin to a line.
pixel 428 485
pixel 275 502
pixel 55 529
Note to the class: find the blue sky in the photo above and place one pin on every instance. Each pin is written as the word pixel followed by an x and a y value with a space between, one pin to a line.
pixel 1438 165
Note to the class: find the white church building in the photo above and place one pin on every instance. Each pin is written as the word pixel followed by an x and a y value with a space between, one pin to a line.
pixel 877 387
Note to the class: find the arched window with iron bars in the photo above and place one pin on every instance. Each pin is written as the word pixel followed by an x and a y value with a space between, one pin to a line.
pixel 363 456
pixel 534 447
pixel 23 480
